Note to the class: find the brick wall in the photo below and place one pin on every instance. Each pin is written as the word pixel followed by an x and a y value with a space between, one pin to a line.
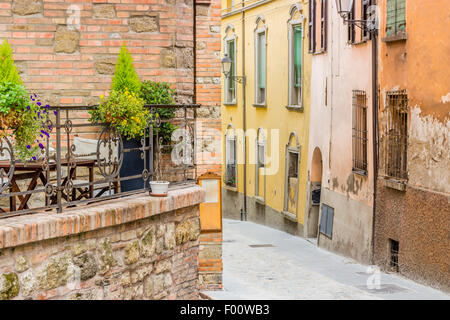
pixel 134 248
pixel 210 266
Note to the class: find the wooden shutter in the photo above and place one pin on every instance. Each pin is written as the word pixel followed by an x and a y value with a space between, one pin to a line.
pixel 312 26
pixel 400 19
pixel 324 25
pixel 298 35
pixel 390 18
pixel 231 82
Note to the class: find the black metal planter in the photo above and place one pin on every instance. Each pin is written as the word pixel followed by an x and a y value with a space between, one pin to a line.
pixel 133 165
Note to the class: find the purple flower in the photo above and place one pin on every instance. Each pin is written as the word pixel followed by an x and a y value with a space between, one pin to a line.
pixel 28 107
pixel 55 112
pixel 28 147
pixel 35 95
pixel 34 158
pixel 41 146
pixel 45 132
pixel 39 104
pixel 47 106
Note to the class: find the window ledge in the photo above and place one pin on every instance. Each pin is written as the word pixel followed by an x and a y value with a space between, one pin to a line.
pixel 229 188
pixel 401 36
pixel 360 172
pixel 295 108
pixel 230 104
pixel 290 216
pixel 317 53
pixel 259 105
pixel 399 185
pixel 260 200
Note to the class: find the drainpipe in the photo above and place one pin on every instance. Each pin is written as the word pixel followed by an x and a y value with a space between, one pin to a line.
pixel 374 132
pixel 194 27
pixel 244 215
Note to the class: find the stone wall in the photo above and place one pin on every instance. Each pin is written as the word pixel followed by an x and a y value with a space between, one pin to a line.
pixel 138 247
pixel 210 265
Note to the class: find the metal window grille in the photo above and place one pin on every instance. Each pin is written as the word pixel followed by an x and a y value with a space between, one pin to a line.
pixel 396 17
pixel 359 137
pixel 394 249
pixel 231 87
pixel 396 134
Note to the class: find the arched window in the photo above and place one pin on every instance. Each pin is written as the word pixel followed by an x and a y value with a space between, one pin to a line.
pixel 295 36
pixel 230 157
pixel 229 47
pixel 290 207
pixel 260 176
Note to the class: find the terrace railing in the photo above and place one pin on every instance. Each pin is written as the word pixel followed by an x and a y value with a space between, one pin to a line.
pixel 82 162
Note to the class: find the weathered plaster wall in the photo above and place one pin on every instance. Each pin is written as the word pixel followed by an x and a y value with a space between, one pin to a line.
pixel 336 73
pixel 133 248
pixel 419 217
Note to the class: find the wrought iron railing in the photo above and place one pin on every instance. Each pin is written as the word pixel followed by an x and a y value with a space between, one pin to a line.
pixel 82 162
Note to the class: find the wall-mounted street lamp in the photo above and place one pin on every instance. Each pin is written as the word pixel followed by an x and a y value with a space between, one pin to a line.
pixel 226 69
pixel 344 7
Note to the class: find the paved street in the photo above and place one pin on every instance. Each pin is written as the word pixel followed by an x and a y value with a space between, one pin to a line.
pixel 294 268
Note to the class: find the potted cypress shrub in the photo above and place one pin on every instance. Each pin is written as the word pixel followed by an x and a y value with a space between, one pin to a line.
pixel 124 110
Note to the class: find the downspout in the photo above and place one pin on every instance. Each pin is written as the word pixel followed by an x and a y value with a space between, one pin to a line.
pixel 244 119
pixel 374 132
pixel 194 18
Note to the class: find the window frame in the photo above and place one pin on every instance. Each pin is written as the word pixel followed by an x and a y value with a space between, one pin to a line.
pixel 323 25
pixel 295 149
pixel 230 38
pixel 399 138
pixel 230 135
pixel 351 29
pixel 292 24
pixel 359 133
pixel 396 31
pixel 312 26
pixel 261 141
pixel 257 32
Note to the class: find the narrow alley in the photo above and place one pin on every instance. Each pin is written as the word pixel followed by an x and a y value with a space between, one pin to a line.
pixel 263 263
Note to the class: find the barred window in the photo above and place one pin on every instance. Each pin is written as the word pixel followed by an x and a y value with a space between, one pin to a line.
pixel 396 134
pixel 365 14
pixel 396 17
pixel 230 85
pixel 359 136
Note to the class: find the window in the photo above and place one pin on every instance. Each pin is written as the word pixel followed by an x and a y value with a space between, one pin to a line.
pixel 323 25
pixel 365 14
pixel 351 31
pixel 394 247
pixel 260 67
pixel 359 135
pixel 230 84
pixel 291 177
pixel 396 134
pixel 396 17
pixel 295 72
pixel 260 177
pixel 230 158
pixel 312 26
pixel 326 221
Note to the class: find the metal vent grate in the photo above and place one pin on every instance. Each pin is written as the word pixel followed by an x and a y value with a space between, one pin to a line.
pixel 266 245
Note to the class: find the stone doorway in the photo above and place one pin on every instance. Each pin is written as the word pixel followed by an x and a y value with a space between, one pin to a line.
pixel 314 196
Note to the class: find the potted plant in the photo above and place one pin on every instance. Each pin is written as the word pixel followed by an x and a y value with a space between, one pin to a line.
pixel 124 110
pixel 159 187
pixel 23 119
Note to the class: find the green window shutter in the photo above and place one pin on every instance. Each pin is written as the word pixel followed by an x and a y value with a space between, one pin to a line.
pixel 298 48
pixel 400 20
pixel 262 60
pixel 231 83
pixel 390 18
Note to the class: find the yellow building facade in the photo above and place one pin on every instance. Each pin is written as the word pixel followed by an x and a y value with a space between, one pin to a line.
pixel 265 112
